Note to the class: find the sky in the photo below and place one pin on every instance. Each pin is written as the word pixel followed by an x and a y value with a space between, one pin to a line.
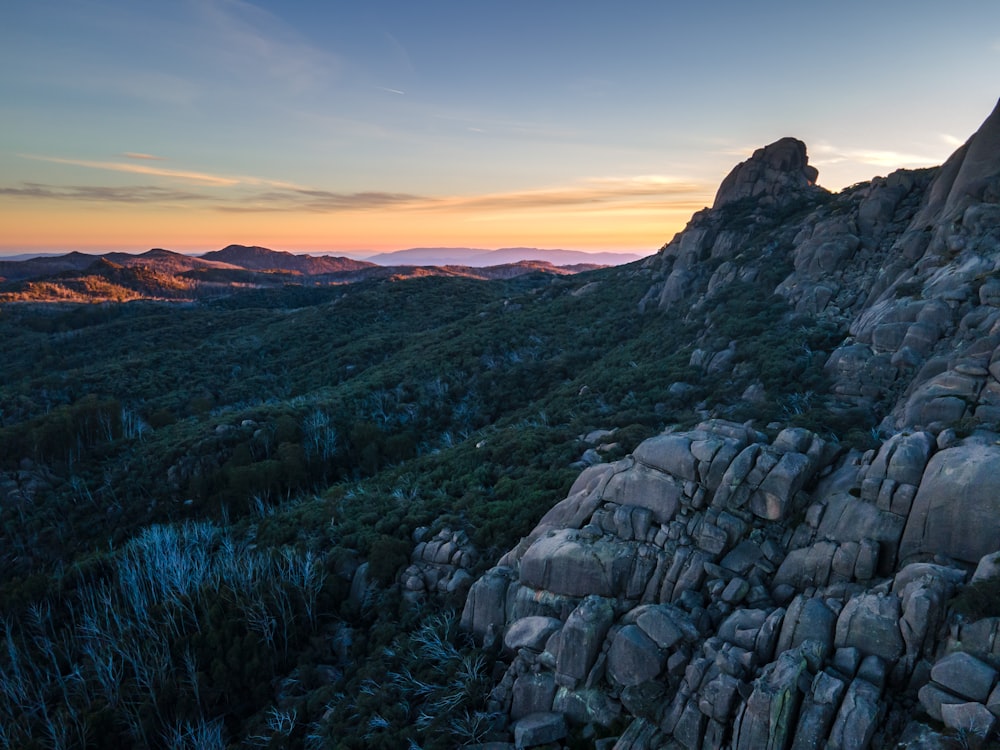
pixel 343 126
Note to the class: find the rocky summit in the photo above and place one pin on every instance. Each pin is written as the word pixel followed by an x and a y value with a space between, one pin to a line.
pixel 736 585
pixel 770 176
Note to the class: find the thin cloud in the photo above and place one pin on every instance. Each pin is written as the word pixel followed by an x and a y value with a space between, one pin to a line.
pixel 139 155
pixel 741 152
pixel 588 194
pixel 296 200
pixel 114 166
pixel 825 155
pixel 399 54
pixel 640 194
pixel 952 141
pixel 828 155
pixel 242 32
pixel 101 194
pixel 391 91
pixel 204 178
pixel 520 128
pixel 318 201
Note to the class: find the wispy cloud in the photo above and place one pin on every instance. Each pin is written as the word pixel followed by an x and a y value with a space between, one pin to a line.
pixel 589 193
pixel 253 40
pixel 284 200
pixel 639 193
pixel 138 155
pixel 184 175
pixel 116 166
pixel 519 128
pixel 319 201
pixel 952 141
pixel 101 194
pixel 827 154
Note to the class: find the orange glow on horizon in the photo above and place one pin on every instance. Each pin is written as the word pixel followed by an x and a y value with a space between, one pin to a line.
pixel 634 226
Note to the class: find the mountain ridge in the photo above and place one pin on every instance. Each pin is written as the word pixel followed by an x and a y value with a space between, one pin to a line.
pixel 478 257
pixel 81 277
pixel 255 258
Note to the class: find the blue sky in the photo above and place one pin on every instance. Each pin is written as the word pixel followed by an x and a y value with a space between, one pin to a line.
pixel 338 126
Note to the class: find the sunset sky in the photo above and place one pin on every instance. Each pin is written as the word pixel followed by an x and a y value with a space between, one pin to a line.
pixel 348 126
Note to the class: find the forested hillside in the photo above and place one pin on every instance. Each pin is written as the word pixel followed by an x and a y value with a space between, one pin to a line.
pixel 188 492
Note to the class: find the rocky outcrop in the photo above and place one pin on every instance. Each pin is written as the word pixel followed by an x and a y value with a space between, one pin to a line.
pixel 717 621
pixel 727 587
pixel 439 564
pixel 956 506
pixel 699 259
pixel 771 175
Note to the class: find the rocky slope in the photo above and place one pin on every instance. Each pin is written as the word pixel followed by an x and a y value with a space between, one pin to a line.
pixel 748 586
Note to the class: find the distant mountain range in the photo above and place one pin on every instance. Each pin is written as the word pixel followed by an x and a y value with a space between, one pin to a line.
pixel 478 258
pixel 262 259
pixel 166 275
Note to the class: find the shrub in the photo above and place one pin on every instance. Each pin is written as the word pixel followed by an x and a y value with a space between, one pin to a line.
pixel 385 557
pixel 979 599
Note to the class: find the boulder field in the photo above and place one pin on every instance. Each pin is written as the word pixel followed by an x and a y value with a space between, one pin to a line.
pixel 735 586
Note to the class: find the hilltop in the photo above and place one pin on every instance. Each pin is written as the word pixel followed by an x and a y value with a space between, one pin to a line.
pixel 164 275
pixel 262 259
pixel 737 494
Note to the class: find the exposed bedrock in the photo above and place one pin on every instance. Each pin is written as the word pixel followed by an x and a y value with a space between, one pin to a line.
pixel 726 587
pixel 678 601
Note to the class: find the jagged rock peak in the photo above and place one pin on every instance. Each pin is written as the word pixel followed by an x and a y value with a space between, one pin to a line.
pixel 774 171
pixel 969 175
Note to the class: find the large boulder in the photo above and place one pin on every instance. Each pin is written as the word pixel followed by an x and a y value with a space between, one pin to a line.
pixel 649 488
pixel 539 729
pixel 485 611
pixel 807 619
pixel 957 508
pixel 634 657
pixel 573 511
pixel 533 693
pixel 848 519
pixel 870 623
pixel 530 632
pixel 767 721
pixel 857 719
pixel 670 453
pixel 965 676
pixel 924 591
pixel 818 712
pixel 581 639
pixel 564 562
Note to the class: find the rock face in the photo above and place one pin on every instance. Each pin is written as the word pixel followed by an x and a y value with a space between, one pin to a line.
pixel 970 175
pixel 772 174
pixel 726 587
pixel 956 507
